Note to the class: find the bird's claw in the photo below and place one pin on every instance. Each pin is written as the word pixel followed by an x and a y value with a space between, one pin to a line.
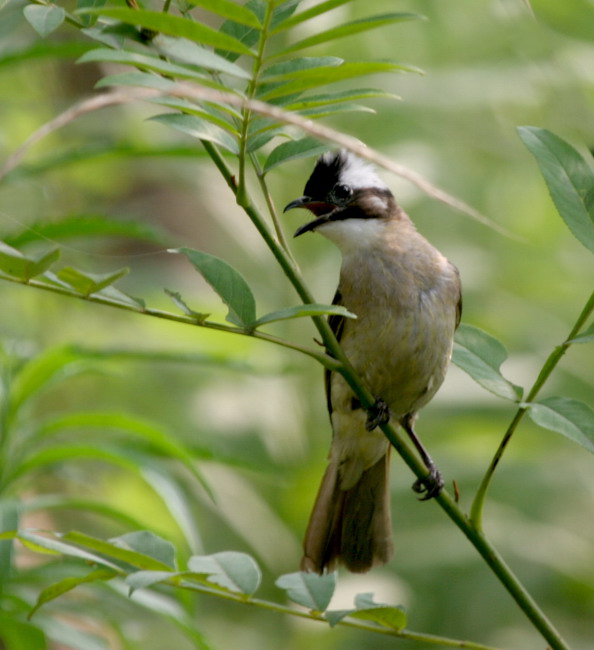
pixel 377 414
pixel 430 486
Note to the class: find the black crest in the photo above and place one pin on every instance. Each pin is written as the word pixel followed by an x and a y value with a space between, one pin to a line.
pixel 325 174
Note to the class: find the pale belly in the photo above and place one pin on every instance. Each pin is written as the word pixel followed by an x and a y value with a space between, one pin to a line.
pixel 402 355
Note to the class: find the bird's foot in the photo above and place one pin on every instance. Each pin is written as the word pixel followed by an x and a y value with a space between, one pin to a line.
pixel 377 414
pixel 429 486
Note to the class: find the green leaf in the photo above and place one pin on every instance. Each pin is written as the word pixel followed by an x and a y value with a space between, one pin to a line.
pixel 385 615
pixel 136 78
pixel 226 9
pixel 14 263
pixel 52 546
pixel 346 107
pixel 480 355
pixel 82 225
pixel 88 283
pixel 114 295
pixel 334 616
pixel 132 427
pixel 144 62
pixel 114 551
pixel 177 500
pixel 44 50
pixel 319 8
pixel 258 140
pixel 144 579
pixel 283 11
pixel 354 27
pixel 227 282
pixel 181 304
pixel 59 454
pixel 19 635
pixel 585 337
pixel 245 34
pixel 229 569
pixel 10 509
pixel 291 68
pixel 569 417
pixel 114 35
pixel 65 635
pixel 314 101
pixel 322 76
pixel 54 364
pixel 366 609
pixel 569 178
pixel 190 108
pixel 174 26
pixel 198 128
pixel 287 151
pixel 149 544
pixel 67 584
pixel 44 18
pixel 301 311
pixel 309 589
pixel 61 502
pixel 83 4
pixel 187 51
pixel 573 18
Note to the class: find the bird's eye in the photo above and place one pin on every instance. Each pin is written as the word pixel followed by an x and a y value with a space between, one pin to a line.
pixel 342 191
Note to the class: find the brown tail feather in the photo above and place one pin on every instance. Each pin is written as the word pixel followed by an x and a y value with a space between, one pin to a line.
pixel 350 526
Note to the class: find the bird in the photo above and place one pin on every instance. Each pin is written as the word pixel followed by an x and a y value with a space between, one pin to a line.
pixel 407 299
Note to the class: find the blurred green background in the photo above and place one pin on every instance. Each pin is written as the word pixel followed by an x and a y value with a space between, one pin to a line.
pixel 256 413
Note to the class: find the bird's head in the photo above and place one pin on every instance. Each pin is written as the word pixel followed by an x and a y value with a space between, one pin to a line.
pixel 347 197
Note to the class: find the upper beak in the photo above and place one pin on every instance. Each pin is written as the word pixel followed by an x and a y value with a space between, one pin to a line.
pixel 301 202
pixel 321 209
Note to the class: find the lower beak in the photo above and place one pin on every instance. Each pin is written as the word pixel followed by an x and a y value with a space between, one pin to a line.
pixel 312 225
pixel 321 209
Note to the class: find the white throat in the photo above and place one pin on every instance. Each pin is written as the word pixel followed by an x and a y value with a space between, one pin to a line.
pixel 354 234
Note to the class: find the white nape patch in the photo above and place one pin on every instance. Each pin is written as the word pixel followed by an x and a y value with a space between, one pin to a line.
pixel 354 234
pixel 376 203
pixel 358 173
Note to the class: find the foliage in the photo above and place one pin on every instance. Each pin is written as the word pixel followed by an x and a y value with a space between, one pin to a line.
pixel 257 53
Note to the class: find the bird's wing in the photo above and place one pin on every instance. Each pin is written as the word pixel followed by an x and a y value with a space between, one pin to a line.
pixel 459 303
pixel 336 323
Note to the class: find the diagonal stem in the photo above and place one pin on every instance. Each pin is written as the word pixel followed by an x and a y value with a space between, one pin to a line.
pixel 482 544
pixel 476 512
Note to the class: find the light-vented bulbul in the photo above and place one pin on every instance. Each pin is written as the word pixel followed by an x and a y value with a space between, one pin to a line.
pixel 406 296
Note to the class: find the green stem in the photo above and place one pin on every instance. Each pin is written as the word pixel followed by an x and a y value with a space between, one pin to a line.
pixel 476 512
pixel 271 208
pixel 321 357
pixel 314 616
pixel 475 536
pixel 242 194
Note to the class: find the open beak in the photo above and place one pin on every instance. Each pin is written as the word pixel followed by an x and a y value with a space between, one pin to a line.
pixel 321 209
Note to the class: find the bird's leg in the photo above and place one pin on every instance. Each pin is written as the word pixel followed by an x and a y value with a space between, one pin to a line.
pixel 432 484
pixel 377 414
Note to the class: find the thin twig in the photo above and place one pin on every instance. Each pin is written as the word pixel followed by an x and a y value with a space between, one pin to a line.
pixel 476 512
pixel 194 92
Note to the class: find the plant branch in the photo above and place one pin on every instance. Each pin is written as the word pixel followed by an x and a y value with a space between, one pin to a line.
pixel 271 208
pixel 200 93
pixel 476 512
pixel 241 195
pixel 339 363
pixel 314 616
pixel 476 537
pixel 97 298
